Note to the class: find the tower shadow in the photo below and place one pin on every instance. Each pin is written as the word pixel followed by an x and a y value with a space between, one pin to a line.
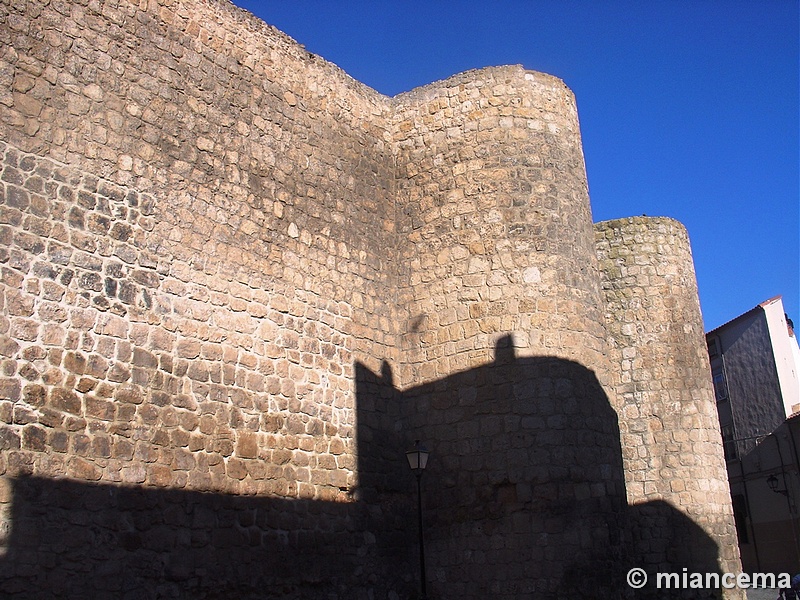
pixel 76 540
pixel 524 498
pixel 525 488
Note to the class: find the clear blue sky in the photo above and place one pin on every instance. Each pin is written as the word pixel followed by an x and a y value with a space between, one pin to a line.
pixel 688 108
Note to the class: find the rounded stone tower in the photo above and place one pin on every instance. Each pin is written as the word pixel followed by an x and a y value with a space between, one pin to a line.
pixel 495 223
pixel 505 349
pixel 674 467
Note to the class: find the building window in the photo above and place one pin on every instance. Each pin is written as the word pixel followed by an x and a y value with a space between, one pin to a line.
pixel 713 348
pixel 720 385
pixel 740 518
pixel 728 442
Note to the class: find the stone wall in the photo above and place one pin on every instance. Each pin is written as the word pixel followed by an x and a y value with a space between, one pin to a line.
pixel 236 284
pixel 526 488
pixel 205 226
pixel 504 308
pixel 195 213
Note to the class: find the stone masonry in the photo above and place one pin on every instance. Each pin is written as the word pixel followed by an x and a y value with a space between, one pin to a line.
pixel 670 431
pixel 237 284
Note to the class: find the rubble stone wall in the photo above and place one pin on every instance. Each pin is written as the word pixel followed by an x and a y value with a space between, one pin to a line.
pixel 196 214
pixel 189 231
pixel 236 284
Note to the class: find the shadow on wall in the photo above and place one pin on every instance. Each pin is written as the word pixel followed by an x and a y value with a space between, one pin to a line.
pixel 74 540
pixel 525 488
pixel 524 496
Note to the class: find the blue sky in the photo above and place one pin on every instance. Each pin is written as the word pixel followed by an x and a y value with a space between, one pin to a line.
pixel 689 108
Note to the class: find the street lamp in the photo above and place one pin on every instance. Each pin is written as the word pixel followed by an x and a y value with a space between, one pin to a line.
pixel 772 482
pixel 418 460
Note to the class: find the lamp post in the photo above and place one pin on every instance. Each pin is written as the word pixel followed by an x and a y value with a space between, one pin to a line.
pixel 418 460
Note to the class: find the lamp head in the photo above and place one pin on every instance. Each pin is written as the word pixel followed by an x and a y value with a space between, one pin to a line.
pixel 418 458
pixel 772 482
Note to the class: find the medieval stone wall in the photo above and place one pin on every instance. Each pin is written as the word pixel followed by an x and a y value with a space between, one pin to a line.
pixel 209 226
pixel 195 217
pixel 504 307
pixel 236 284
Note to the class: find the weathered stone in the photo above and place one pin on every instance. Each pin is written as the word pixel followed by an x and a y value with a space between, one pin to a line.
pixel 65 400
pixel 247 445
pixel 34 438
pixel 229 268
pixel 9 438
pixel 84 469
pixel 75 363
pixel 99 408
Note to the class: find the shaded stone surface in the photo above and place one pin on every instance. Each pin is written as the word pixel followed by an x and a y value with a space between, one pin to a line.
pixel 231 273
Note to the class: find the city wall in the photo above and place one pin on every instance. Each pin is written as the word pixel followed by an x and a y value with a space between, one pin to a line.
pixel 237 284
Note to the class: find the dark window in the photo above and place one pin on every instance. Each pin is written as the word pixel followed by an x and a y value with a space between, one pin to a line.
pixel 720 385
pixel 713 348
pixel 740 518
pixel 728 443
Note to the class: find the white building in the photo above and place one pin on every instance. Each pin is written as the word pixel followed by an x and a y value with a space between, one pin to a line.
pixel 755 365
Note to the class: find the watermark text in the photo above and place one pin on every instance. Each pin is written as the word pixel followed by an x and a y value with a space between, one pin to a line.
pixel 685 580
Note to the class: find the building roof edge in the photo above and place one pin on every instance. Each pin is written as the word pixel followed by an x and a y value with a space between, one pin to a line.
pixel 760 305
